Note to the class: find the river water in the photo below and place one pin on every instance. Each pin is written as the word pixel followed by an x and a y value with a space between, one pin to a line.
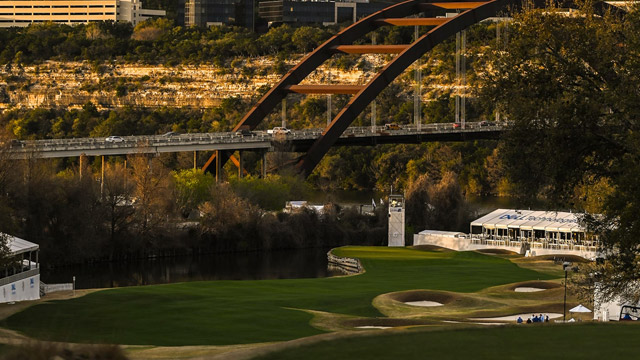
pixel 283 264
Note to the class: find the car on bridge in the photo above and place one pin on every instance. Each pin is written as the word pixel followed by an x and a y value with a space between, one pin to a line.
pixel 15 143
pixel 245 132
pixel 456 125
pixel 487 123
pixel 114 139
pixel 392 126
pixel 279 130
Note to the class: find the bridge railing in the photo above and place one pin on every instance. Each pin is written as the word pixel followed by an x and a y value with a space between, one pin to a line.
pixel 146 141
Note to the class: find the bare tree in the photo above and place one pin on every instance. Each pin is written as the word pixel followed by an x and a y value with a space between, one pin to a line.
pixel 149 179
pixel 225 210
pixel 117 198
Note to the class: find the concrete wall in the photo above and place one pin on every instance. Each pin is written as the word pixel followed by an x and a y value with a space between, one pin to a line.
pixel 590 255
pixel 456 243
pixel 24 289
pixel 448 242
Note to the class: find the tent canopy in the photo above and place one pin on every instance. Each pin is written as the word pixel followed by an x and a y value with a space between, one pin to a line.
pixel 550 221
pixel 580 309
pixel 18 246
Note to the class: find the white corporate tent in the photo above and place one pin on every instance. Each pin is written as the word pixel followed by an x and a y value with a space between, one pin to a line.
pixel 516 224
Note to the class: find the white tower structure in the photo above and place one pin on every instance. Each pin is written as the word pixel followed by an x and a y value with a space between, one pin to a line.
pixel 396 220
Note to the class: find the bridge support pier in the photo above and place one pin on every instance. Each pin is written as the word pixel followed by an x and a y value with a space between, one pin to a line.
pixel 240 165
pixel 263 165
pixel 218 166
pixel 102 177
pixel 195 160
pixel 82 160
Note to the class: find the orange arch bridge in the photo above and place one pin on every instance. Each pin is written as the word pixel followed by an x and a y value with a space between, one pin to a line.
pixel 430 13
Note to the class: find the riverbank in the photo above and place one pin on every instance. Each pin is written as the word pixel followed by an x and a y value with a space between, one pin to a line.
pixel 255 265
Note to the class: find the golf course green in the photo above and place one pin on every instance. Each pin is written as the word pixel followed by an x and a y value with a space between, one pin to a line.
pixel 241 312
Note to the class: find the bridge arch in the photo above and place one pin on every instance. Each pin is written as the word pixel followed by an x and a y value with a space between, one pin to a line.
pixel 394 15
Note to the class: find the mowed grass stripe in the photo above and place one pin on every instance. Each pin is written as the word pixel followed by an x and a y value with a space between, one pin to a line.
pixel 523 342
pixel 237 312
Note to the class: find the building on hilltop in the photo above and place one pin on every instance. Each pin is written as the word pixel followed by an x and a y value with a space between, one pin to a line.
pixel 204 13
pixel 316 12
pixel 21 13
pixel 20 278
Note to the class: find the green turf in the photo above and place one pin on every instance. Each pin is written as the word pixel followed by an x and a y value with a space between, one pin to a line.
pixel 235 312
pixel 575 341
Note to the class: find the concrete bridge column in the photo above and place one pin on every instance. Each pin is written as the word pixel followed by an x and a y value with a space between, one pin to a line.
pixel 195 160
pixel 284 112
pixel 240 164
pixel 218 166
pixel 82 162
pixel 102 177
pixel 263 166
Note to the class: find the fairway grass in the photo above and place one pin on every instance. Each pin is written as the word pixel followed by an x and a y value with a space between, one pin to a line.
pixel 243 312
pixel 523 342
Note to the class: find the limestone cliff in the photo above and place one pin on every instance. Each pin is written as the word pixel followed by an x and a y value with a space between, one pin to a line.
pixel 72 84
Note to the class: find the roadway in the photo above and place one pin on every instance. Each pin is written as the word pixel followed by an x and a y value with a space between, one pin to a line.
pixel 296 141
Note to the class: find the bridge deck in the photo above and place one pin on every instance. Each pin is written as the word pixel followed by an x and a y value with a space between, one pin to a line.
pixel 300 140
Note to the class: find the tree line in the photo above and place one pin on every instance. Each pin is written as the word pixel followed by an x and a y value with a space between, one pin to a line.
pixel 142 208
pixel 152 42
pixel 158 41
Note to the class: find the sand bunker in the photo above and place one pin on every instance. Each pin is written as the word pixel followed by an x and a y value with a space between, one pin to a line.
pixel 373 327
pixel 424 298
pixel 536 284
pixel 475 323
pixel 424 303
pixel 527 289
pixel 524 316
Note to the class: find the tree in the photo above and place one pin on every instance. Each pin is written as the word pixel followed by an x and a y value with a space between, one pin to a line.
pixel 272 192
pixel 225 210
pixel 438 205
pixel 191 188
pixel 5 251
pixel 117 199
pixel 150 188
pixel 9 172
pixel 569 87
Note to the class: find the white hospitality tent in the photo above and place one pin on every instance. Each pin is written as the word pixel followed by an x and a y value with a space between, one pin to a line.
pixel 20 277
pixel 511 225
pixel 580 309
pixel 25 252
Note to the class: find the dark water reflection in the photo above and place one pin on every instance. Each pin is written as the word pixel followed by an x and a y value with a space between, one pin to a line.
pixel 284 264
